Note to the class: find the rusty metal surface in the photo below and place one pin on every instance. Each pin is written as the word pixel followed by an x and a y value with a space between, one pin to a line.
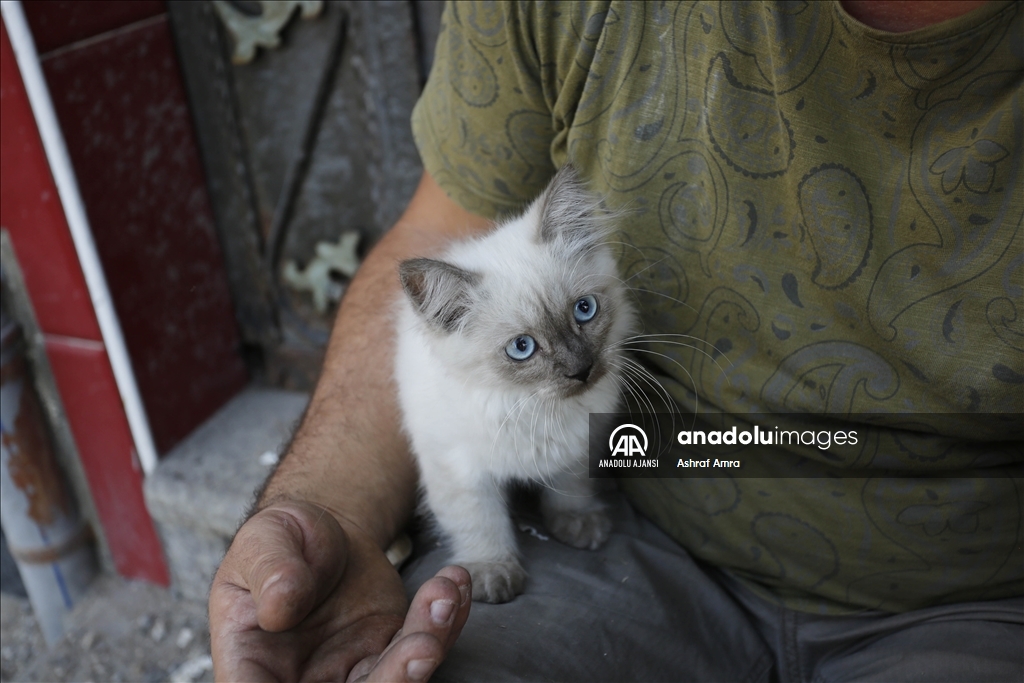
pixel 64 449
pixel 38 490
pixel 53 553
pixel 48 539
pixel 31 464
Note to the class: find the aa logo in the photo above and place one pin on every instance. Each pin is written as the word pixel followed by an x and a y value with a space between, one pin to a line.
pixel 625 440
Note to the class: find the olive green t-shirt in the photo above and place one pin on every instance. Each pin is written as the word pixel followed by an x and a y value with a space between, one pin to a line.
pixel 832 213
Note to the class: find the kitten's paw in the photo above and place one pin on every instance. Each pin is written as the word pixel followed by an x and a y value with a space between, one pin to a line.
pixel 496 582
pixel 580 529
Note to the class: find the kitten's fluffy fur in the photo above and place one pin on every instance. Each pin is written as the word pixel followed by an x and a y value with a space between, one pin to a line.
pixel 478 419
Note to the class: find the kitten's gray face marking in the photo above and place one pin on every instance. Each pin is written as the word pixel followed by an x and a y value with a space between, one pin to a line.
pixel 569 355
pixel 531 290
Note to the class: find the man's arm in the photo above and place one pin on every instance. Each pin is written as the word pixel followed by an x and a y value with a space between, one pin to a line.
pixel 349 455
pixel 305 589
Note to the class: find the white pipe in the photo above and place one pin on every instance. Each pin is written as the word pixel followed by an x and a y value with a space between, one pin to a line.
pixel 67 187
pixel 51 543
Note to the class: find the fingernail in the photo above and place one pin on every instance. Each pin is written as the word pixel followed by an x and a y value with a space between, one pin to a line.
pixel 464 592
pixel 441 611
pixel 418 669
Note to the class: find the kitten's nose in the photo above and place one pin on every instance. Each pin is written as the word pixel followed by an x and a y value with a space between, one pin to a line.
pixel 583 374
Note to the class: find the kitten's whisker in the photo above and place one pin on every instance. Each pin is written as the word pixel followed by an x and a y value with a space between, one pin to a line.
pixel 681 367
pixel 671 408
pixel 663 393
pixel 627 244
pixel 647 397
pixel 652 335
pixel 519 455
pixel 565 436
pixel 660 339
pixel 557 415
pixel 642 399
pixel 599 278
pixel 634 394
pixel 541 452
pixel 643 344
pixel 546 455
pixel 662 294
pixel 638 370
pixel 521 405
pixel 630 290
pixel 518 403
pixel 648 377
pixel 641 272
pixel 579 259
pixel 687 346
pixel 629 387
pixel 548 432
pixel 532 434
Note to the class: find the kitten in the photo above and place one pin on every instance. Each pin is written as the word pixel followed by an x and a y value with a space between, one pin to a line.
pixel 505 346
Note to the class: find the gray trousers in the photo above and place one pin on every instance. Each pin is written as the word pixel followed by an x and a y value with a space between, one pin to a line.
pixel 641 609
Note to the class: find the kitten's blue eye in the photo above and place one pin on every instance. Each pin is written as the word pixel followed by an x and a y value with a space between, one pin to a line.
pixel 521 348
pixel 585 309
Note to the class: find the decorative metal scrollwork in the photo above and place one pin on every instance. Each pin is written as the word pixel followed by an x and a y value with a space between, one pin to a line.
pixel 325 275
pixel 255 24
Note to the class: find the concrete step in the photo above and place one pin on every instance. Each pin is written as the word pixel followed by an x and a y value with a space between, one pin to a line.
pixel 201 490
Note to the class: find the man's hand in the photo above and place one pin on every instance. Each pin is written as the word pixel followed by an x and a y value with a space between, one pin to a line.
pixel 305 593
pixel 298 597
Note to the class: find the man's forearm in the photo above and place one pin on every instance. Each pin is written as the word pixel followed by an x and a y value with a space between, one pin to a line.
pixel 349 454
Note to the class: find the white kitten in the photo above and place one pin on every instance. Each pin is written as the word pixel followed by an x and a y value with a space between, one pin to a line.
pixel 505 346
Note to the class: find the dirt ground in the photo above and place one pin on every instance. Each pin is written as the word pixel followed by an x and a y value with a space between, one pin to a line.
pixel 121 631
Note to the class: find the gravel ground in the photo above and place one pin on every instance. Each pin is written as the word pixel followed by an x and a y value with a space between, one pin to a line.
pixel 121 631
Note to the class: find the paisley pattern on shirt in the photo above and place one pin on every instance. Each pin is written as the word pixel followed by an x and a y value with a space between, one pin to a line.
pixel 831 213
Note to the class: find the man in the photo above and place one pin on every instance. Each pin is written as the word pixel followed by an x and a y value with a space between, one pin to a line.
pixel 830 204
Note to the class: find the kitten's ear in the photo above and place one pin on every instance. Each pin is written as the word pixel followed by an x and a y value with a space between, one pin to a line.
pixel 439 291
pixel 570 213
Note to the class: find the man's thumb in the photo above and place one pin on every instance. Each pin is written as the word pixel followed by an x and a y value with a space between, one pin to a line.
pixel 288 556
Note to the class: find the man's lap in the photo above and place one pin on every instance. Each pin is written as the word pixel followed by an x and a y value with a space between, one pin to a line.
pixel 641 608
pixel 637 609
